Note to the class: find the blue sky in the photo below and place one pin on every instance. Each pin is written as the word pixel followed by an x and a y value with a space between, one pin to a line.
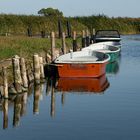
pixel 129 8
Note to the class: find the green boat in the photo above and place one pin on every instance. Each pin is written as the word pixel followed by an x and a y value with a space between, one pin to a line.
pixel 105 47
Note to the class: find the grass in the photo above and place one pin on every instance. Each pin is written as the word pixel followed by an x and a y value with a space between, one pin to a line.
pixel 27 46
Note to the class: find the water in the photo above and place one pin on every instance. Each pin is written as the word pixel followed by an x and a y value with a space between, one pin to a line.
pixel 108 111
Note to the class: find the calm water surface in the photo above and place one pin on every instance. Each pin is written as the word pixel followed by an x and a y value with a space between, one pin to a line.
pixel 100 109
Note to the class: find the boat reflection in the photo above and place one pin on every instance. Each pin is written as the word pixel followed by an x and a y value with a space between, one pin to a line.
pixel 113 68
pixel 92 85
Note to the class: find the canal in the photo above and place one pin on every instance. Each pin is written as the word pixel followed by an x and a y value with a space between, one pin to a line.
pixel 107 108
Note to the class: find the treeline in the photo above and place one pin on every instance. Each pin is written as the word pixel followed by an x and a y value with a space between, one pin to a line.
pixel 18 24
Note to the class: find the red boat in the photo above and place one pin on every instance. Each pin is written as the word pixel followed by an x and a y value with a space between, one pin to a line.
pixel 82 64
pixel 83 84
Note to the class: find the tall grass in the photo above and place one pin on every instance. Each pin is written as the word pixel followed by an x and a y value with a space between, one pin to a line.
pixel 100 22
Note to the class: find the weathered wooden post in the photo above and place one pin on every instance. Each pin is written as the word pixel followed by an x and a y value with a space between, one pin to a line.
pixel 74 42
pixel 29 31
pixel 52 46
pixel 30 75
pixel 23 73
pixel 42 74
pixel 36 99
pixel 68 29
pixel 43 34
pixel 36 65
pixel 93 35
pixel 60 28
pixel 87 38
pixel 5 82
pixel 63 43
pixel 83 39
pixel 17 74
pixel 5 114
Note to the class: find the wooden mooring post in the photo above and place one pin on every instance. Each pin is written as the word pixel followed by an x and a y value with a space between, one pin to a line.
pixel 29 32
pixel 42 74
pixel 23 73
pixel 17 74
pixel 36 66
pixel 5 82
pixel 74 42
pixel 60 28
pixel 92 36
pixel 52 46
pixel 68 29
pixel 43 34
pixel 87 38
pixel 83 39
pixel 63 43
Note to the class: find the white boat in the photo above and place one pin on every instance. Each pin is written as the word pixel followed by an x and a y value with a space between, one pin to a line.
pixel 106 47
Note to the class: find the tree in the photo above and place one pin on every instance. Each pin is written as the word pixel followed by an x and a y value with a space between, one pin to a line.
pixel 50 12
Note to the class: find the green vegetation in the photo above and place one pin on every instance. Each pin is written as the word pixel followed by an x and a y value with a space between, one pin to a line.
pixel 14 27
pixel 123 25
pixel 50 12
pixel 26 46
pixel 18 24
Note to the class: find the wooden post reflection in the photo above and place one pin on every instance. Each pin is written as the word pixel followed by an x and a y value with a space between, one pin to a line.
pixel 24 103
pixel 48 88
pixel 52 100
pixel 63 98
pixel 5 114
pixel 17 110
pixel 36 99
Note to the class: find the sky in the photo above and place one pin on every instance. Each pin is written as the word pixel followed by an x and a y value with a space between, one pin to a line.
pixel 111 8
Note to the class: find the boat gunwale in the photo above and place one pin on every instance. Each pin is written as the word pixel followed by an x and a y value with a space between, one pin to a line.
pixel 82 62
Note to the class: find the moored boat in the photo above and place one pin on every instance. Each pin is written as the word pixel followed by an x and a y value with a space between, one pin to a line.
pixel 105 47
pixel 113 43
pixel 107 35
pixel 82 64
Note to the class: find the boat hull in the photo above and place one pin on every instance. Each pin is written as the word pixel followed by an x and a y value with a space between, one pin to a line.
pixel 81 70
pixel 113 56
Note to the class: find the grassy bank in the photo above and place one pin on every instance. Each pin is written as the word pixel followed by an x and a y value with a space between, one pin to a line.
pixel 26 46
